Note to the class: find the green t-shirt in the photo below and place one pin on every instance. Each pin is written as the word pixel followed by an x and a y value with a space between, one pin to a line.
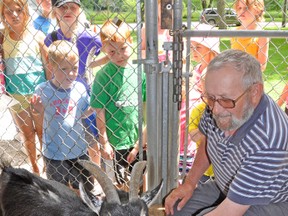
pixel 115 89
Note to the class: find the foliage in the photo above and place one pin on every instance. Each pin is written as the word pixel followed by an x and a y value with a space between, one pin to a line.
pixel 98 11
pixel 88 4
pixel 101 16
pixel 273 5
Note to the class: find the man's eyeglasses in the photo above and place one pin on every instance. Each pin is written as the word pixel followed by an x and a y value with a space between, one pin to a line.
pixel 224 102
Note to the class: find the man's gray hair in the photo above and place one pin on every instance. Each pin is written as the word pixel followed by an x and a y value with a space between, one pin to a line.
pixel 242 62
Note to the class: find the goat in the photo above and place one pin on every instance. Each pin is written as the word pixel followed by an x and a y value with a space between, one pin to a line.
pixel 119 202
pixel 26 194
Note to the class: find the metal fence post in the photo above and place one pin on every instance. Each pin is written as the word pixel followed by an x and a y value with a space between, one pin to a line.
pixel 151 70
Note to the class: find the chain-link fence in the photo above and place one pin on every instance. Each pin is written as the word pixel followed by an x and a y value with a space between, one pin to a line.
pixel 49 143
pixel 172 88
pixel 262 36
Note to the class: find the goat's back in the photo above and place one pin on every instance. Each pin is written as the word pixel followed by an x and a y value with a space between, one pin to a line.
pixel 23 193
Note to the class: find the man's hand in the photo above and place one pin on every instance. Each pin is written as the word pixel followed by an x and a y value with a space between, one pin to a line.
pixel 183 193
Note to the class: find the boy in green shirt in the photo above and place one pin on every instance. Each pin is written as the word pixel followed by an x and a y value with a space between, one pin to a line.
pixel 115 99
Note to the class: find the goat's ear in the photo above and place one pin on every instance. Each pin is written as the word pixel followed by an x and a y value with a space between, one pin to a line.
pixel 92 201
pixel 150 197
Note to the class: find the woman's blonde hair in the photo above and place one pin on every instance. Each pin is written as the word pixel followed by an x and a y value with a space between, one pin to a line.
pixel 116 31
pixel 257 5
pixel 61 50
pixel 22 4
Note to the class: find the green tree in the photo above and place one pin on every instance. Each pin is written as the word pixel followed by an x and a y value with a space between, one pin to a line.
pixel 90 5
pixel 273 5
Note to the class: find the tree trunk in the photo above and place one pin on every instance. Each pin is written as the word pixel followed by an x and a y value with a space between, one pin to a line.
pixel 210 4
pixel 221 12
pixel 284 15
pixel 204 4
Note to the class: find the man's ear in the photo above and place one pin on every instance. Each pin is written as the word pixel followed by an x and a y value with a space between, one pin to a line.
pixel 257 92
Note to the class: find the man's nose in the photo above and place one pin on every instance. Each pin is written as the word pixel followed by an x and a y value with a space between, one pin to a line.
pixel 217 108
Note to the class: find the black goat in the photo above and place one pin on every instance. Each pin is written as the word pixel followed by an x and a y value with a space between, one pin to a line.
pixel 25 194
pixel 117 202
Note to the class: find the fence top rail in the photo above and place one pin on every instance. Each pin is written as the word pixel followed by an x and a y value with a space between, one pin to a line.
pixel 236 33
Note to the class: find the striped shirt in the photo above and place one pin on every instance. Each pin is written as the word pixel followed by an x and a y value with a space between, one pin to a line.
pixel 251 166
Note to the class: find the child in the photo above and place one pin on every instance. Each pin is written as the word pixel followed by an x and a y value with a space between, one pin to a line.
pixel 25 57
pixel 44 21
pixel 115 99
pixel 62 102
pixel 196 135
pixel 203 50
pixel 284 98
pixel 250 13
pixel 67 13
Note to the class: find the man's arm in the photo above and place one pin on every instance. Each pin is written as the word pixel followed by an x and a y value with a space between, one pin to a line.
pixel 185 191
pixel 229 208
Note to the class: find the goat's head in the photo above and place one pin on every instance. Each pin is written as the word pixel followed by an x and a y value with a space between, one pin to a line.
pixel 117 202
pixel 24 194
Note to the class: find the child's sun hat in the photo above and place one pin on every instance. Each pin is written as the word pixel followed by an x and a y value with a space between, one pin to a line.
pixel 213 43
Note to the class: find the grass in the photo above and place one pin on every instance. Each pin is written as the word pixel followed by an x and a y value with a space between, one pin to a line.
pixel 275 75
pixel 98 17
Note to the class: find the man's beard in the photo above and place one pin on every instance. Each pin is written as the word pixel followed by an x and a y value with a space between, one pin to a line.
pixel 236 123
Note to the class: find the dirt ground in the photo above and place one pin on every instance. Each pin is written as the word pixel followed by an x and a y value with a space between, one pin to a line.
pixel 11 149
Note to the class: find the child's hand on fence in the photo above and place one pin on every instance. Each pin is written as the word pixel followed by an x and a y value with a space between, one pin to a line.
pixel 107 152
pixel 36 105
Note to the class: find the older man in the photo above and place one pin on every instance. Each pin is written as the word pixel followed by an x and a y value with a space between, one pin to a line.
pixel 245 137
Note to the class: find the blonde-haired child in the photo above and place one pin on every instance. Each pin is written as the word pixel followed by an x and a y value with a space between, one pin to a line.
pixel 250 13
pixel 69 19
pixel 195 134
pixel 25 57
pixel 115 99
pixel 63 102
pixel 203 50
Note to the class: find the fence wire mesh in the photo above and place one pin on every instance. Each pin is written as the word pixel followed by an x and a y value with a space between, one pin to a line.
pixel 18 137
pixel 262 35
